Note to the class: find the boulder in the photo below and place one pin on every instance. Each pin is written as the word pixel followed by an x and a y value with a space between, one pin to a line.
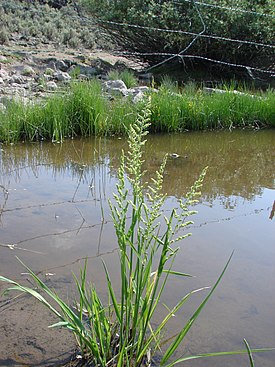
pixel 51 85
pixel 117 86
pixel 61 65
pixel 17 79
pixel 88 71
pixel 4 74
pixel 138 97
pixel 61 76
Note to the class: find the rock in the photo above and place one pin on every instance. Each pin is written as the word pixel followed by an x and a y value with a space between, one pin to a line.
pixel 81 58
pixel 137 90
pixel 86 70
pixel 4 74
pixel 120 65
pixel 3 58
pixel 2 81
pixel 18 87
pixel 101 66
pixel 13 92
pixel 138 97
pixel 47 77
pixel 39 88
pixel 51 85
pixel 17 79
pixel 138 93
pixel 61 65
pixel 115 86
pixel 222 91
pixel 83 77
pixel 51 62
pixel 61 76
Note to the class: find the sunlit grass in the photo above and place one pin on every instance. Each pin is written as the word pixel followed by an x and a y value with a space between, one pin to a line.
pixel 84 110
pixel 126 76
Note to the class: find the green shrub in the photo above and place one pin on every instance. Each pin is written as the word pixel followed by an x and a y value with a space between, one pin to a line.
pixel 187 17
pixel 4 38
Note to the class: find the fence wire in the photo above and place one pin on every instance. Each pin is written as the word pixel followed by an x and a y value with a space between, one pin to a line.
pixel 89 22
pixel 182 54
pixel 238 10
pixel 202 35
pixel 182 57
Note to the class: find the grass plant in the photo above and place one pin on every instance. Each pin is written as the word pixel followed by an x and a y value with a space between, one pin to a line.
pixel 122 333
pixel 84 110
pixel 126 76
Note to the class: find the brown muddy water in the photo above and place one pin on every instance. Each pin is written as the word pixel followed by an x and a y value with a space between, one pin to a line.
pixel 54 212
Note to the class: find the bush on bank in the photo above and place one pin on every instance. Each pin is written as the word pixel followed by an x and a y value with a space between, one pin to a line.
pixel 230 19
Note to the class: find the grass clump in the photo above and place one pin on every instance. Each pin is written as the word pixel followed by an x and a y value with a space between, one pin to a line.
pixel 197 109
pixel 126 76
pixel 122 333
pixel 84 110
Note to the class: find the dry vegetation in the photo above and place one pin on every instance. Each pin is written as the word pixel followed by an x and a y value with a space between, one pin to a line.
pixel 40 24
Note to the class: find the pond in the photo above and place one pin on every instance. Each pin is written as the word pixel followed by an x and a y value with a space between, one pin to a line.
pixel 54 213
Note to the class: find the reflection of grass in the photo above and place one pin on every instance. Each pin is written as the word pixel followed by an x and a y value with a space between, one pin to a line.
pixel 123 333
pixel 83 110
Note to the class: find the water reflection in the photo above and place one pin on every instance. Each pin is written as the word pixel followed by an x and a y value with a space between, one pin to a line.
pixel 241 163
pixel 54 211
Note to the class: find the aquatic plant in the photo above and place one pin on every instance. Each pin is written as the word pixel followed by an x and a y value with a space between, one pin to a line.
pixel 122 333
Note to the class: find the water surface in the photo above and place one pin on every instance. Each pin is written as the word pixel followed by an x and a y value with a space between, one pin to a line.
pixel 54 212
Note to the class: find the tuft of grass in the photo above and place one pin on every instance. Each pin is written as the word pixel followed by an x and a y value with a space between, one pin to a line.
pixel 84 110
pixel 126 76
pixel 122 333
pixel 168 83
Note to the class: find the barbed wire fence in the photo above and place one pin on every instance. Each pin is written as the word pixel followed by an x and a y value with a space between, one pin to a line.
pixel 182 55
pixel 252 71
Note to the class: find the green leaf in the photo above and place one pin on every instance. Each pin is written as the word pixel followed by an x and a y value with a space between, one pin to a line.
pixel 177 273
pixel 249 353
pixel 218 354
pixel 59 324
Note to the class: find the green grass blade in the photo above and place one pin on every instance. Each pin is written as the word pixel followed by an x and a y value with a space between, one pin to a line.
pixel 249 353
pixel 112 294
pixel 168 317
pixel 173 272
pixel 218 354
